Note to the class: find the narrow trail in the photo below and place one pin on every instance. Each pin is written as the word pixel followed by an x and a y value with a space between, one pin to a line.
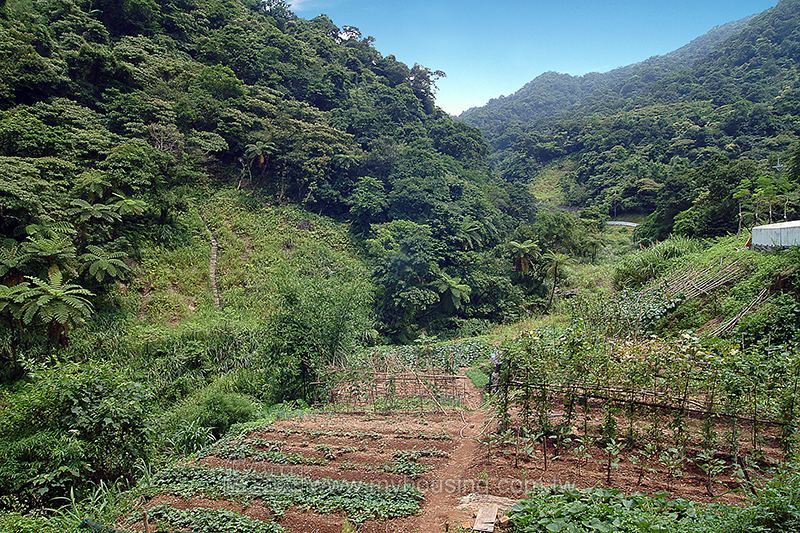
pixel 439 511
pixel 212 267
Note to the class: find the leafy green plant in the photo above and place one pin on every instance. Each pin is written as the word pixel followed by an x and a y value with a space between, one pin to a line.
pixel 673 459
pixel 361 501
pixel 612 460
pixel 192 437
pixel 211 520
pixel 406 462
pixel 554 509
pixel 101 263
pixel 712 466
pixel 256 449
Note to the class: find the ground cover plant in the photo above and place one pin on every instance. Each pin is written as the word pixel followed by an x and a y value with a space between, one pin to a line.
pixel 256 449
pixel 770 506
pixel 200 519
pixel 361 501
pixel 555 509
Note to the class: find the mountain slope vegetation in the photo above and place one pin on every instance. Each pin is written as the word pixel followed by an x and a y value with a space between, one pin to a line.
pixel 552 94
pixel 696 150
pixel 209 207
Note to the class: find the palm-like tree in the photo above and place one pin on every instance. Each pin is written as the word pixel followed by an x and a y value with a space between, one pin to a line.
pixel 13 258
pixel 86 211
pixel 255 155
pixel 344 161
pixel 524 254
pixel 94 182
pixel 470 233
pixel 53 251
pixel 128 206
pixel 554 260
pixel 54 304
pixel 593 241
pixel 10 299
pixel 100 263
pixel 455 294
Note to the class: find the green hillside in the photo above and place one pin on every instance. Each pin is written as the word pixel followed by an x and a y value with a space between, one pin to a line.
pixel 553 94
pixel 693 148
pixel 206 208
pixel 210 209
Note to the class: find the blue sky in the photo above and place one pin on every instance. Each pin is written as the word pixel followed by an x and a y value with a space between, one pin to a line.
pixel 493 48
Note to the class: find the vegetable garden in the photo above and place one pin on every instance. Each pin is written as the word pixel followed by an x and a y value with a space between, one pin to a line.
pixel 665 408
pixel 288 475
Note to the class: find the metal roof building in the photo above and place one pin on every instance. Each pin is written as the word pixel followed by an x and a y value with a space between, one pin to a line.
pixel 773 236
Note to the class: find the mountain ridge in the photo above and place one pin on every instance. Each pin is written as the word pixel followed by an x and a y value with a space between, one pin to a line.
pixel 571 90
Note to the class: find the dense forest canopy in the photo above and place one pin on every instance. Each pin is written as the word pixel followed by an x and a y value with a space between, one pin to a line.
pixel 691 139
pixel 115 115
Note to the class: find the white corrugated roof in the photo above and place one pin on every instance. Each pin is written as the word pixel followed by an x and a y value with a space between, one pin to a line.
pixel 780 225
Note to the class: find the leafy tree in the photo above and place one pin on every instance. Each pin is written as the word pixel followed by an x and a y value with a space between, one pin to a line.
pixel 470 233
pixel 368 203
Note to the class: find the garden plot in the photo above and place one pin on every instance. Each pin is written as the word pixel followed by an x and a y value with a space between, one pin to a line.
pixel 309 474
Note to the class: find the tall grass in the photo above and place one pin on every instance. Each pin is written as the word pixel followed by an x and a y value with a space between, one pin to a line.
pixel 647 264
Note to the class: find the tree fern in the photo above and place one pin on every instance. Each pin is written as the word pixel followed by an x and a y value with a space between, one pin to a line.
pixel 13 256
pixel 86 211
pixel 100 263
pixel 54 304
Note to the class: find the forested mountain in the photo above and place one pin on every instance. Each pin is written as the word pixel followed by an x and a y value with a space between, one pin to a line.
pixel 553 94
pixel 114 115
pixel 695 150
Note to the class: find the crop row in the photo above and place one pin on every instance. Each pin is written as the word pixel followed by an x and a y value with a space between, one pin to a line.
pixel 217 520
pixel 258 449
pixel 353 435
pixel 360 501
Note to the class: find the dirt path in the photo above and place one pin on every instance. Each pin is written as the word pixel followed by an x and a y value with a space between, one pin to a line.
pixel 212 267
pixel 439 511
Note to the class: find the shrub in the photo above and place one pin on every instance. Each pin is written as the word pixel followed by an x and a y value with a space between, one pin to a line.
pixel 71 425
pixel 778 321
pixel 220 410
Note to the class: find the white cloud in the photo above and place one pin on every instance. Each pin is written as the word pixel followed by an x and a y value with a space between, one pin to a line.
pixel 308 5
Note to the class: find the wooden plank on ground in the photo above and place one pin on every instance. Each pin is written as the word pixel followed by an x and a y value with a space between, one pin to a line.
pixel 485 519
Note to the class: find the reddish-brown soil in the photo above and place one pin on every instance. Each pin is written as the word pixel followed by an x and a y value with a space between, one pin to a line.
pixel 357 443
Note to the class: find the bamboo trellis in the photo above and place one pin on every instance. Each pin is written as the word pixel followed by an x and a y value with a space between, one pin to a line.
pixel 401 390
